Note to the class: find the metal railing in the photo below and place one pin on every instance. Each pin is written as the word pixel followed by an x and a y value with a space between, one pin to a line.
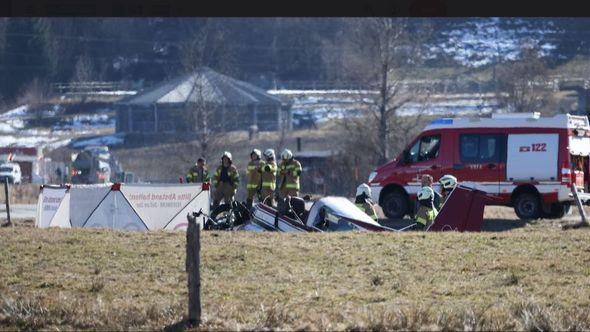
pixel 91 87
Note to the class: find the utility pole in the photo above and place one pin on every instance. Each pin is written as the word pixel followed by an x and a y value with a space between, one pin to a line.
pixel 6 194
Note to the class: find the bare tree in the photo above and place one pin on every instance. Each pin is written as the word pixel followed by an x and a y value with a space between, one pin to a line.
pixel 34 94
pixel 83 73
pixel 381 53
pixel 84 70
pixel 522 83
pixel 206 47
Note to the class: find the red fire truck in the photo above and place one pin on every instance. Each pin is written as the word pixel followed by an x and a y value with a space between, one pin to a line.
pixel 528 161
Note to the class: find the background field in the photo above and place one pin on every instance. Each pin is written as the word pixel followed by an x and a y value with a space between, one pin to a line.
pixel 27 193
pixel 531 276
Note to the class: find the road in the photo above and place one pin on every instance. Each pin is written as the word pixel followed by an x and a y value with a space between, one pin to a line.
pixel 19 211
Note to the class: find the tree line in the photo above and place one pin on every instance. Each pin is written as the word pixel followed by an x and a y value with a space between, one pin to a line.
pixel 256 49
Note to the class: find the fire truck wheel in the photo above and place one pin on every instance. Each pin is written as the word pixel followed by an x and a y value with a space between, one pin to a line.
pixel 395 205
pixel 527 206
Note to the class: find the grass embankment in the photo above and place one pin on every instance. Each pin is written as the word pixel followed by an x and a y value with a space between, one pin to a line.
pixel 535 277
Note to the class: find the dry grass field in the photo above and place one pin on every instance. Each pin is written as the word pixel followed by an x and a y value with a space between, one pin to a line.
pixel 534 276
pixel 21 194
pixel 170 160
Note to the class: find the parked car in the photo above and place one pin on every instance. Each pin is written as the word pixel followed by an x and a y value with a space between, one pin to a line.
pixel 528 161
pixel 12 172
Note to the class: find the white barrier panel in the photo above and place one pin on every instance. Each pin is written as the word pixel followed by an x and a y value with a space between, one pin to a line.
pixel 84 199
pixel 52 206
pixel 121 206
pixel 166 206
pixel 200 202
pixel 62 216
pixel 115 212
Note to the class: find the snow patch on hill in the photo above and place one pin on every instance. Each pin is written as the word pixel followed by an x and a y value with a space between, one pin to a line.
pixel 14 130
pixel 109 140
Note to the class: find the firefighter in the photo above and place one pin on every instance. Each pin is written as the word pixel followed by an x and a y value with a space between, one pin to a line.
pixel 198 173
pixel 447 184
pixel 254 177
pixel 225 180
pixel 363 200
pixel 426 212
pixel 289 171
pixel 426 181
pixel 269 177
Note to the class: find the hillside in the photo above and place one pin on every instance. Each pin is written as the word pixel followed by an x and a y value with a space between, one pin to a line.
pixel 166 162
pixel 530 278
pixel 261 50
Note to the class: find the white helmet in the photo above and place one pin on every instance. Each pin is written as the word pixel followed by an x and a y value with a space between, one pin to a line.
pixel 269 153
pixel 256 152
pixel 226 154
pixel 286 154
pixel 448 182
pixel 425 193
pixel 363 188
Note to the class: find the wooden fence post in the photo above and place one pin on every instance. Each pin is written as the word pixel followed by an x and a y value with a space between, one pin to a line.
pixel 193 248
pixel 6 193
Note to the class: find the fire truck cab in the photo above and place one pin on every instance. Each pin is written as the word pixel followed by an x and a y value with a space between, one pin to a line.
pixel 528 161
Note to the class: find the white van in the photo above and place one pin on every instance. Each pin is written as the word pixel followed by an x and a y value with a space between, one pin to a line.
pixel 12 172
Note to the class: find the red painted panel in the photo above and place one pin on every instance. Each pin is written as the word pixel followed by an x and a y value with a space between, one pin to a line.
pixel 463 211
pixel 550 197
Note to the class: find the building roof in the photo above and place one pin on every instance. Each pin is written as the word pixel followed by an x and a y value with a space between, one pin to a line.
pixel 204 85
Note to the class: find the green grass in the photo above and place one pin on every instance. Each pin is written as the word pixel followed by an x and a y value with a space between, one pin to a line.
pixel 533 277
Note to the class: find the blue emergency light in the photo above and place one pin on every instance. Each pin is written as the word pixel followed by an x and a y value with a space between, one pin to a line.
pixel 442 121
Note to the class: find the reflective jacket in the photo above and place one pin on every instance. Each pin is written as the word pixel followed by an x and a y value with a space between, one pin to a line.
pixel 232 173
pixel 426 215
pixel 437 201
pixel 367 208
pixel 290 171
pixel 365 204
pixel 269 175
pixel 198 174
pixel 253 173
